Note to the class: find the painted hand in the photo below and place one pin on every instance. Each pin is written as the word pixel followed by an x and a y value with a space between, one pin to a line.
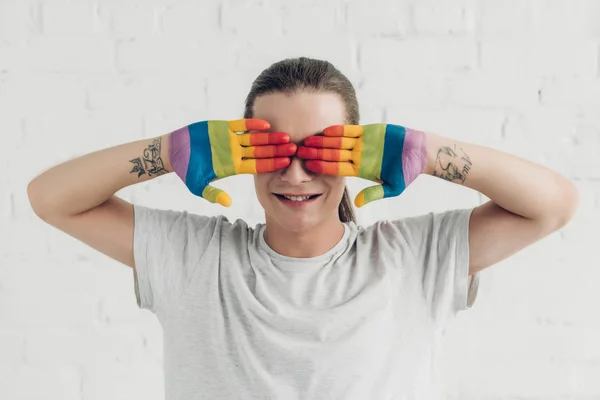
pixel 390 155
pixel 206 151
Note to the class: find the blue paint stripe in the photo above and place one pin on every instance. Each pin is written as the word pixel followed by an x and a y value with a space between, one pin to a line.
pixel 200 170
pixel 392 173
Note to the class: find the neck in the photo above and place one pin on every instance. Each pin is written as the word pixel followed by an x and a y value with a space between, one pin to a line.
pixel 312 242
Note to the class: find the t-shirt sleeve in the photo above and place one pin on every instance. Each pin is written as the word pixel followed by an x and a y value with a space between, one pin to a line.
pixel 439 243
pixel 168 246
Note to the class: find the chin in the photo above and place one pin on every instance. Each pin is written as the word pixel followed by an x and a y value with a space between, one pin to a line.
pixel 294 220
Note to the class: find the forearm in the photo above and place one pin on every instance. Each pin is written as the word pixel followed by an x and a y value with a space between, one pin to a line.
pixel 517 185
pixel 85 182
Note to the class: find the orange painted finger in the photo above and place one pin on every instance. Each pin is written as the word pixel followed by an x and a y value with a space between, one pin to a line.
pixel 317 153
pixel 281 150
pixel 257 165
pixel 344 168
pixel 344 130
pixel 260 139
pixel 249 124
pixel 330 142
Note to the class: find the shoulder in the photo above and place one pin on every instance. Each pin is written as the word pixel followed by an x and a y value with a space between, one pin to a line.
pixel 417 226
pixel 178 222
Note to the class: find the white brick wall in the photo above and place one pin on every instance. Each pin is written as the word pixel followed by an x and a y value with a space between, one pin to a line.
pixel 76 76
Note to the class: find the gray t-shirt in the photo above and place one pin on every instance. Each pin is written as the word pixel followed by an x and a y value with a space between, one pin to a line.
pixel 240 321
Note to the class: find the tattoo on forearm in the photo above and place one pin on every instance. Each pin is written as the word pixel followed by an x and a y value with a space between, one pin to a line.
pixel 150 162
pixel 451 166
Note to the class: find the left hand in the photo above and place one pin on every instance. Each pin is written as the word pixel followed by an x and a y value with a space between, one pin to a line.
pixel 390 155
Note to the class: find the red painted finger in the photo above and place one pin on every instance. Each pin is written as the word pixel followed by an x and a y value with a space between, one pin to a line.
pixel 280 150
pixel 344 130
pixel 317 153
pixel 272 164
pixel 331 168
pixel 330 142
pixel 248 124
pixel 261 139
pixel 255 124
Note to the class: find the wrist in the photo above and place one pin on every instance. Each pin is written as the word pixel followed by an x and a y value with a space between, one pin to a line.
pixel 430 141
pixel 166 151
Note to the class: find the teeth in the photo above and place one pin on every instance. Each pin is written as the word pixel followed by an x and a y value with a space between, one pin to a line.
pixel 297 198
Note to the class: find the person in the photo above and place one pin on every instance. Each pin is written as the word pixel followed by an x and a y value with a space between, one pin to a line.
pixel 308 304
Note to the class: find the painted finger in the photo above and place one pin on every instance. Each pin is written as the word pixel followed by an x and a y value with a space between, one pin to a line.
pixel 248 124
pixel 281 150
pixel 344 168
pixel 330 142
pixel 344 130
pixel 259 139
pixel 216 195
pixel 261 165
pixel 368 195
pixel 317 153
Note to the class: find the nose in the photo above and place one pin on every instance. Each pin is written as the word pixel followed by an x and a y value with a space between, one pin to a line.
pixel 295 174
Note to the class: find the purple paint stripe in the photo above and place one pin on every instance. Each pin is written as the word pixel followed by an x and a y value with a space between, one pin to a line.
pixel 414 155
pixel 180 151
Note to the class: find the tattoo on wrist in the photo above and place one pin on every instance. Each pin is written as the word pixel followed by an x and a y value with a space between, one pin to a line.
pixel 451 166
pixel 151 162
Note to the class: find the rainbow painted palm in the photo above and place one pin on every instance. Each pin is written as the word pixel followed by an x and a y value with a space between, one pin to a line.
pixel 390 155
pixel 209 150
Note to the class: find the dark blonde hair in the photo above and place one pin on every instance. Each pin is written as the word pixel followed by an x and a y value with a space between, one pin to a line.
pixel 294 75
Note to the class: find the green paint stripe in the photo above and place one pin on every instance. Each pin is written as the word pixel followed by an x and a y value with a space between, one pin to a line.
pixel 210 193
pixel 372 153
pixel 221 148
pixel 374 193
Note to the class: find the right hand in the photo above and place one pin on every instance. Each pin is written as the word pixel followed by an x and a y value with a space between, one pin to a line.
pixel 209 150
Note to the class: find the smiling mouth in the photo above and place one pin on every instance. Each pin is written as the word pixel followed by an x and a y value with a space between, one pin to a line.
pixel 297 197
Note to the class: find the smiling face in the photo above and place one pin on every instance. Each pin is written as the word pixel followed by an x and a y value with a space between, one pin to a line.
pixel 300 115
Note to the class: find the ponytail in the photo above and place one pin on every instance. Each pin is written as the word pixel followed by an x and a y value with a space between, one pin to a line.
pixel 345 210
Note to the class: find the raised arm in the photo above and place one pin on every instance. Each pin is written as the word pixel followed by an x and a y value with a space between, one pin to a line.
pixel 78 198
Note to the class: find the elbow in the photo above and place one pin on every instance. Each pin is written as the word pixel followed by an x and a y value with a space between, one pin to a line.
pixel 572 204
pixel 36 200
pixel 569 207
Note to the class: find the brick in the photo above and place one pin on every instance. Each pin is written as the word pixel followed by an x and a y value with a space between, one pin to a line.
pixel 70 54
pixel 323 19
pixel 442 18
pixel 12 347
pixel 226 95
pixel 471 124
pixel 147 92
pixel 203 57
pixel 417 55
pixel 339 50
pixel 377 18
pixel 252 21
pixel 58 346
pixel 27 307
pixel 481 90
pixel 578 161
pixel 546 128
pixel 170 118
pixel 508 18
pixel 31 382
pixel 125 20
pixel 19 21
pixel 570 93
pixel 69 18
pixel 402 89
pixel 190 20
pixel 30 93
pixel 574 19
pixel 540 58
pixel 139 380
